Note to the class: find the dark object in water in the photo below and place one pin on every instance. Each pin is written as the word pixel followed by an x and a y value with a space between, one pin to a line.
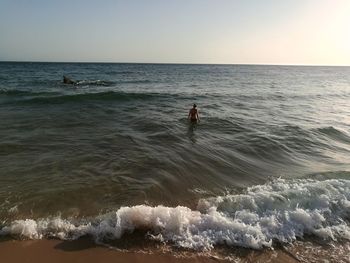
pixel 67 80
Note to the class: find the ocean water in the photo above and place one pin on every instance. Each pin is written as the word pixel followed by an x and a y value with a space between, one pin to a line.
pixel 268 163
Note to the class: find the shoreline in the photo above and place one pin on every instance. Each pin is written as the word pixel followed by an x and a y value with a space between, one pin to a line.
pixel 85 250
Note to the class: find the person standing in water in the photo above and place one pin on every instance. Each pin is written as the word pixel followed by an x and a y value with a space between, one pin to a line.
pixel 193 114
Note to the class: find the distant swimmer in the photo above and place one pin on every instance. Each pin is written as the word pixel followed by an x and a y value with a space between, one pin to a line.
pixel 67 80
pixel 193 114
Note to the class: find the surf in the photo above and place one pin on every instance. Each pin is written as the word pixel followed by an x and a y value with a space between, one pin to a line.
pixel 278 212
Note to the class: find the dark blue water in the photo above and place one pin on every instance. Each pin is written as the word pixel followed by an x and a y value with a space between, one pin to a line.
pixel 120 137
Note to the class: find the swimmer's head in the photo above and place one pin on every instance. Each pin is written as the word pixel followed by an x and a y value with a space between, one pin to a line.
pixel 194 105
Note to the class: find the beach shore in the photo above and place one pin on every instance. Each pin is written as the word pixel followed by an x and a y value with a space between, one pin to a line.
pixel 14 251
pixel 85 250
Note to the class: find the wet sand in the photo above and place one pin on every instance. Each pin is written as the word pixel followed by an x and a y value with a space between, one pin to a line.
pixel 85 250
pixel 42 251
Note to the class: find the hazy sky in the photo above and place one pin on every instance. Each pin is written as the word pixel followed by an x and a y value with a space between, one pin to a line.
pixel 177 31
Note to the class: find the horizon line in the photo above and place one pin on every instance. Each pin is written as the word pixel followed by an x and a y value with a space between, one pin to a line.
pixel 174 63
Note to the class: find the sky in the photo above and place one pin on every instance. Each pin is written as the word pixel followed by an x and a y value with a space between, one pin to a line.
pixel 288 32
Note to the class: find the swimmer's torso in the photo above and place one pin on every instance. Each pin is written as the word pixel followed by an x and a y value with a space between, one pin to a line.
pixel 193 114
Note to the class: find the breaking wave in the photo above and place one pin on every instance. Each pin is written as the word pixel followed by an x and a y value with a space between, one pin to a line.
pixel 279 211
pixel 94 82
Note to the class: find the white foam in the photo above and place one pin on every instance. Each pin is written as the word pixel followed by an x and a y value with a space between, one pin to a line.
pixel 281 210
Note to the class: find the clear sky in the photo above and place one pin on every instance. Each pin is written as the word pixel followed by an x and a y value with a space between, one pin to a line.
pixel 315 32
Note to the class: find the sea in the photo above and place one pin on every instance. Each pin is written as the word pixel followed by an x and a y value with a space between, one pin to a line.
pixel 268 164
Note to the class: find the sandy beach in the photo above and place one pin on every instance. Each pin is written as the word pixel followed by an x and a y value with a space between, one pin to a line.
pixel 85 250
pixel 13 251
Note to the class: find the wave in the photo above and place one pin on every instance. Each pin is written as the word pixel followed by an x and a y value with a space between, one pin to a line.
pixel 94 82
pixel 334 133
pixel 140 81
pixel 30 97
pixel 100 96
pixel 288 97
pixel 110 83
pixel 25 93
pixel 279 211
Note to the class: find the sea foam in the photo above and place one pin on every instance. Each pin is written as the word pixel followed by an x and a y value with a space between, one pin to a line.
pixel 278 211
